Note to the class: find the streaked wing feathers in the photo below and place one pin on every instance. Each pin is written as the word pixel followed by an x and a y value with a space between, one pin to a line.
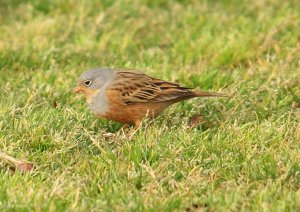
pixel 137 88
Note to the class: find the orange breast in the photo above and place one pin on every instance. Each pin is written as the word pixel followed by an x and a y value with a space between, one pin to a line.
pixel 133 113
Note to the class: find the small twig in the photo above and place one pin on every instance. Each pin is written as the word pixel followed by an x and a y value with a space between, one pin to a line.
pixel 20 165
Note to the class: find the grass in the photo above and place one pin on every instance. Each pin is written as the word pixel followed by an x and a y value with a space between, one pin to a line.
pixel 245 156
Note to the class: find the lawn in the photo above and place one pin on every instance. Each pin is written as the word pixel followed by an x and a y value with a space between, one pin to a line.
pixel 245 155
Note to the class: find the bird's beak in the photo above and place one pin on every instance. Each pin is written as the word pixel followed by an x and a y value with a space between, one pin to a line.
pixel 78 89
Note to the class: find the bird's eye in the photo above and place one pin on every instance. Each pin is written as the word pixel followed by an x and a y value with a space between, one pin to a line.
pixel 88 83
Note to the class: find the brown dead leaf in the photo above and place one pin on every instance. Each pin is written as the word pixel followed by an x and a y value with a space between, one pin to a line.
pixel 295 105
pixel 54 104
pixel 25 167
pixel 196 121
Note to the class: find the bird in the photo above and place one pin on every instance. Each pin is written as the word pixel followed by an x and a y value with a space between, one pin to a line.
pixel 129 96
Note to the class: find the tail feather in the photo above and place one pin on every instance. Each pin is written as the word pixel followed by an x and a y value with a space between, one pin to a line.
pixel 209 94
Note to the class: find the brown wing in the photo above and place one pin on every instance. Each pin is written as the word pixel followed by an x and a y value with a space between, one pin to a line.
pixel 138 88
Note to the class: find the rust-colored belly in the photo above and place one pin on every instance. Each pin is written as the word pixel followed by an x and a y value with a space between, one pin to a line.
pixel 135 113
pixel 131 113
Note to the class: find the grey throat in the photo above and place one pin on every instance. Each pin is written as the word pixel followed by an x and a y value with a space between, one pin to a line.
pixel 99 103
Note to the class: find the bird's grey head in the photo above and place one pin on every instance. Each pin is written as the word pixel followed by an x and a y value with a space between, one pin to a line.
pixel 96 78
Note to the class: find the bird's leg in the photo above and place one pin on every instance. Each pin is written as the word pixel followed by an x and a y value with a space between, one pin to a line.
pixel 136 127
pixel 123 129
pixel 120 132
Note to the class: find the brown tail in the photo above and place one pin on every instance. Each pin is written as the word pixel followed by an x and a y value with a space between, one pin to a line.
pixel 209 94
pixel 193 94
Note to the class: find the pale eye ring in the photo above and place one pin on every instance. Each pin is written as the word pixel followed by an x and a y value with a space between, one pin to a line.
pixel 87 83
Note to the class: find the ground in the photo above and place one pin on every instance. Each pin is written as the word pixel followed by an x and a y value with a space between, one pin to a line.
pixel 243 156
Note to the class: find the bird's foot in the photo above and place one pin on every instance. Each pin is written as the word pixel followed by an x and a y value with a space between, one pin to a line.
pixel 125 132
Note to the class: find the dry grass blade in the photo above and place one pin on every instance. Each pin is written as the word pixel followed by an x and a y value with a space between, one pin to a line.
pixel 20 165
